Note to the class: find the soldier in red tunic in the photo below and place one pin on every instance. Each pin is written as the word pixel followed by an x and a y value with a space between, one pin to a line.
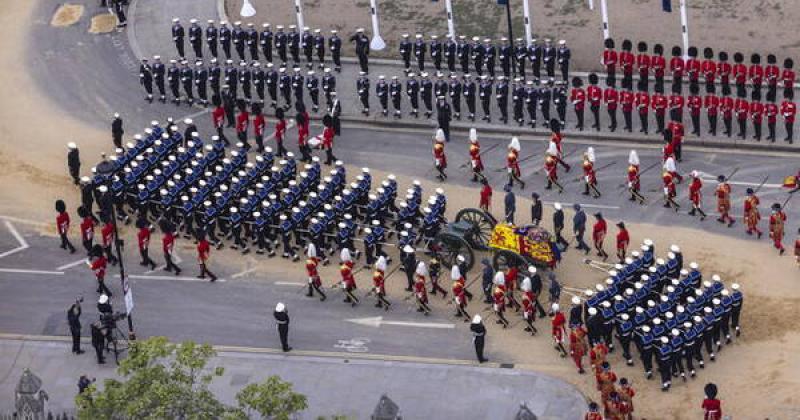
pixel 259 123
pixel 314 281
pixel 777 221
pixel 420 293
pixel 62 225
pixel 788 111
pixel 551 168
pixel 475 161
pixel 727 106
pixel 512 163
pixel 203 256
pixel 695 103
pixel 723 193
pixel 439 157
pixel 693 68
pixel 771 111
pixel 626 60
pixel 742 108
pixel 143 237
pixel 626 98
pixel 578 98
pixel 724 70
pixel 327 139
pixel 676 104
pixel 669 191
pixel 740 75
pixel 595 96
pixel 599 231
pixel 623 240
pixel 611 98
pixel 711 104
pixel 218 116
pixel 659 65
pixel 788 77
pixel 757 116
pixel 756 75
pixel 108 236
pixel 499 298
pixel 772 73
pixel 751 213
pixel 642 102
pixel 659 103
pixel 626 394
pixel 609 61
pixel 485 203
pixel 242 123
pixel 379 283
pixel 97 263
pixel 168 245
pixel 593 413
pixel 696 196
pixel 643 65
pixel 459 294
pixel 578 345
pixel 676 67
pixel 589 175
pixel 528 310
pixel 712 407
pixel 709 70
pixel 348 281
pixel 634 183
pixel 558 329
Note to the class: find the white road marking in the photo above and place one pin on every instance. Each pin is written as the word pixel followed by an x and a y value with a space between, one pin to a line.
pixel 288 283
pixel 23 271
pixel 72 264
pixel 586 206
pixel 178 278
pixel 712 178
pixel 377 321
pixel 243 273
pixel 23 221
pixel 353 345
pixel 22 243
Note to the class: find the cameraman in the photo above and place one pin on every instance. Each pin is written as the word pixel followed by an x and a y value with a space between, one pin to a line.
pixel 98 341
pixel 104 306
pixel 74 320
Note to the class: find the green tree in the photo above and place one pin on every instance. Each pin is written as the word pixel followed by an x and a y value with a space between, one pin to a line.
pixel 162 380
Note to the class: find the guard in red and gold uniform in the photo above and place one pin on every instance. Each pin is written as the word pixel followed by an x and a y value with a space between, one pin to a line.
pixel 606 378
pixel 599 231
pixel 695 103
pixel 595 96
pixel 677 132
pixel 97 263
pixel 610 61
pixel 676 67
pixel 558 329
pixel 712 407
pixel 787 77
pixel 751 213
pixel 724 70
pixel 740 75
pixel 777 221
pixel 62 225
pixel 669 191
pixel 499 298
pixel 378 283
pixel 623 240
pixel 659 103
pixel 626 98
pixel 589 175
pixel 578 346
pixel 643 65
pixel 108 235
pixel 756 75
pixel 611 98
pixel 459 294
pixel 772 73
pixel 788 111
pixel 314 281
pixel 771 111
pixel 439 157
pixel 528 309
pixel 626 394
pixel 723 193
pixel 594 412
pixel 642 102
pixel 143 237
pixel 711 103
pixel 693 68
pixel 696 196
pixel 709 70
pixel 676 104
pixel 551 168
pixel 578 98
pixel 659 65
pixel 348 281
pixel 557 138
pixel 512 163
pixel 203 256
pixel 742 108
pixel 627 61
pixel 485 203
pixel 475 161
pixel 634 183
pixel 597 357
pixel 420 293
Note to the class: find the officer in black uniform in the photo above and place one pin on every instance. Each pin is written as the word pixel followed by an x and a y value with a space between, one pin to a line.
pixel 158 75
pixel 501 95
pixel 335 45
pixel 251 39
pixel 231 74
pixel 200 80
pixel 228 104
pixel 531 101
pixel 307 44
pixel 450 53
pixel 212 35
pixel 239 39
pixel 549 54
pixel 178 34
pixel 146 79
pixel 485 92
pixel 426 86
pixel 521 53
pixel 196 38
pixel 312 84
pixel 293 41
pixel 405 52
pixel 285 86
pixel 478 337
pixel 280 44
pixel 469 90
pixel 362 49
pixel 174 77
pixel 436 52
pixel 298 86
pixel 504 53
pixel 282 323
pixel 362 88
pixel 225 37
pixel 420 50
pixel 563 55
pixel 259 81
pixel 328 86
pixel 443 116
pixel 412 90
pixel 518 98
pixel 560 100
pixel 545 97
pixel 455 95
pixel 396 93
pixel 477 55
pixel 187 78
pixel 440 86
pixel 464 52
pixel 271 79
pixel 319 46
pixel 265 41
pixel 382 91
pixel 245 78
pixel 489 55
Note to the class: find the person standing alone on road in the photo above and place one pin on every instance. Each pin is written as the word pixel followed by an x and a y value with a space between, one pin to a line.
pixel 62 224
pixel 74 162
pixel 282 322
pixel 74 320
pixel 479 337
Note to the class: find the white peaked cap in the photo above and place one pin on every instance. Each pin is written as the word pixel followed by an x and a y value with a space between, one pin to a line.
pixel 592 311
pixel 473 134
pixel 421 269
pixel 716 277
pixel 514 144
pixel 499 278
pixel 552 149
pixel 311 251
pixel 693 266
pixel 526 284
pixel 345 255
pixel 476 319
pixel 554 307
pixel 557 206
pixel 532 270
pixel 674 248
pixel 440 135
pixel 735 286
pixel 72 145
pixel 408 248
pixel 576 300
pixel 381 263
pixel 280 307
pixel 669 165
pixel 633 158
pixel 103 299
pixel 455 272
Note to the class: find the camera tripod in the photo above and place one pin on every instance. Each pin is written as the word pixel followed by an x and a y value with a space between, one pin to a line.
pixel 116 341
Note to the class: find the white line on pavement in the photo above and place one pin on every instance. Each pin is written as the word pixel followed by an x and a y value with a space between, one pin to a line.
pixel 23 221
pixel 24 271
pixel 22 243
pixel 72 264
pixel 586 206
pixel 178 278
pixel 243 273
pixel 289 283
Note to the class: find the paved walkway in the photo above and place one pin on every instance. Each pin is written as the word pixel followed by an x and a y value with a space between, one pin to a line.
pixel 350 387
pixel 149 34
